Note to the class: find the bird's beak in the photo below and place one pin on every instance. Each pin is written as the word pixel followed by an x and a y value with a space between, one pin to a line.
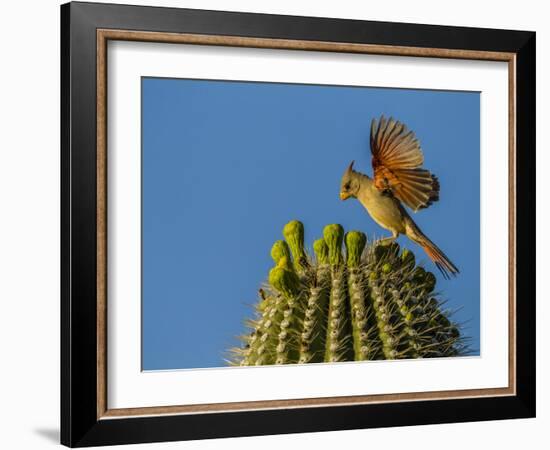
pixel 344 196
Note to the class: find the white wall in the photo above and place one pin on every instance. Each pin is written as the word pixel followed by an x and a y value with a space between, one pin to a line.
pixel 29 224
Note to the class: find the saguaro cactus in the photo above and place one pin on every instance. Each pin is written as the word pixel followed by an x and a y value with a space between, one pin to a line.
pixel 371 302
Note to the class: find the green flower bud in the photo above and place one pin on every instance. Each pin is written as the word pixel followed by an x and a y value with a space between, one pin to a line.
pixel 321 251
pixel 334 235
pixel 284 279
pixel 355 244
pixel 279 250
pixel 386 268
pixel 293 232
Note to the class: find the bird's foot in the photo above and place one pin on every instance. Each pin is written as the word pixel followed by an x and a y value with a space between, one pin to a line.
pixel 387 240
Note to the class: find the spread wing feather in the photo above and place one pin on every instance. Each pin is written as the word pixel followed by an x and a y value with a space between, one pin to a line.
pixel 396 160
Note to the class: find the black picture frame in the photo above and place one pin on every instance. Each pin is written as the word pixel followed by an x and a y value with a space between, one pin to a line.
pixel 80 425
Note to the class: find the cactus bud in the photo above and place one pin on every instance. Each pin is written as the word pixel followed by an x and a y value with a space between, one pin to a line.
pixel 334 235
pixel 293 232
pixel 386 268
pixel 355 244
pixel 279 250
pixel 321 251
pixel 284 279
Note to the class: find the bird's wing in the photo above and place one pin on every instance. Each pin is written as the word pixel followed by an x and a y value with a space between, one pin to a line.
pixel 396 161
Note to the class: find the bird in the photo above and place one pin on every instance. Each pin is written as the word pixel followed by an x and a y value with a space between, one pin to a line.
pixel 398 180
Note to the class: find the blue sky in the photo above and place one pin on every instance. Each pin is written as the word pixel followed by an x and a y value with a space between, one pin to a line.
pixel 226 164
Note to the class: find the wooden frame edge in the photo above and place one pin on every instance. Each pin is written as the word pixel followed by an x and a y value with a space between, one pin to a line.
pixel 101 223
pixel 512 199
pixel 304 403
pixel 103 35
pixel 289 44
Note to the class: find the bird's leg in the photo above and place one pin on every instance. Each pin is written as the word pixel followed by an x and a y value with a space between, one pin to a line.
pixel 388 240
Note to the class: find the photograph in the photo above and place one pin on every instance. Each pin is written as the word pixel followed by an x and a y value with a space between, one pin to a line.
pixel 276 223
pixel 299 223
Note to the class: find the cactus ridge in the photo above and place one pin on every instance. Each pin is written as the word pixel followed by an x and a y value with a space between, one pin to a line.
pixel 370 302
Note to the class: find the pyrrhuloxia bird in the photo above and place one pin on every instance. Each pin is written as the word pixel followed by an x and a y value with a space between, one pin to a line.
pixel 398 178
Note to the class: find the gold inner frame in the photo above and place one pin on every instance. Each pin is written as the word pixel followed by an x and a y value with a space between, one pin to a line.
pixel 103 36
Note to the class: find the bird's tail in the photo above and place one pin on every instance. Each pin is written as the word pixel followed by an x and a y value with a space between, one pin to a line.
pixel 443 263
pixel 440 259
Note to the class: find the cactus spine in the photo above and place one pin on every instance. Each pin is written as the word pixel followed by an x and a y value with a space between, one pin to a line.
pixel 374 302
